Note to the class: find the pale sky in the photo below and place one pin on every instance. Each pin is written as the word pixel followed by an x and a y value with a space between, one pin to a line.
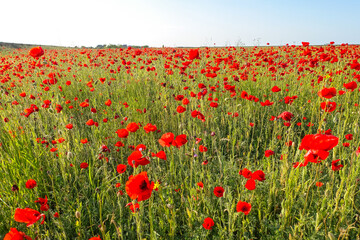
pixel 176 23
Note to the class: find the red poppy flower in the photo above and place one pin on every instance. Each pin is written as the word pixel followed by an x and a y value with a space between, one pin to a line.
pixel 193 54
pixel 357 151
pixel 166 139
pixel 349 136
pixel 133 207
pixel 246 173
pixel 43 203
pixel 179 97
pixel 179 141
pixel 317 146
pixel 351 85
pixel 185 101
pixel 132 127
pixel 214 104
pixel 327 93
pixel 194 113
pixel 219 191
pixel 244 95
pixel 69 126
pixel 90 122
pixel 328 106
pixel 138 187
pixel 83 141
pixel 286 116
pixel 335 166
pixel 108 102
pixel 202 148
pixel 84 104
pixel 150 128
pixel 319 184
pixel 53 149
pixel 104 148
pixel 341 92
pixel 122 133
pixel 30 184
pixel 266 103
pixel 268 153
pixel 95 238
pixel 180 109
pixel 14 234
pixel 36 52
pixel 258 175
pixel 161 155
pixel 315 156
pixel 243 207
pixel 250 184
pixel 28 215
pixel 305 44
pixel 200 184
pixel 275 89
pixel 121 168
pixel 119 144
pixel 84 165
pixel 208 223
pixel 319 141
pixel 136 158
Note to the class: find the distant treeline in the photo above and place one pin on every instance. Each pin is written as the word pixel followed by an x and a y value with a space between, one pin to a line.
pixel 22 45
pixel 15 45
pixel 120 46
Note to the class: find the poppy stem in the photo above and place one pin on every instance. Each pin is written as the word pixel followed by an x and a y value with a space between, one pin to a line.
pixel 4 203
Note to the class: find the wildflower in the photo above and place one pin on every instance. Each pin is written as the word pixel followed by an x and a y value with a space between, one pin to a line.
pixel 14 234
pixel 36 52
pixel 122 133
pixel 208 223
pixel 136 158
pixel 138 187
pixel 202 148
pixel 84 165
pixel 121 168
pixel 219 191
pixel 30 184
pixel 335 166
pixel 327 93
pixel 28 216
pixel 132 127
pixel 133 207
pixel 268 153
pixel 243 207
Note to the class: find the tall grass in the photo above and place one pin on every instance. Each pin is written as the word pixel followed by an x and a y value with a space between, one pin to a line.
pixel 287 205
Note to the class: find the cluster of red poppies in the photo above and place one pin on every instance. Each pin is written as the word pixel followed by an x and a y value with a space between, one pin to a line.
pixel 200 104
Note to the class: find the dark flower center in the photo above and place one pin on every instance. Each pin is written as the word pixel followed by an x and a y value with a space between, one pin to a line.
pixel 143 186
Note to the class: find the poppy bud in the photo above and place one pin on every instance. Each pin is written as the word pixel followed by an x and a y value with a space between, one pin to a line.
pixel 15 188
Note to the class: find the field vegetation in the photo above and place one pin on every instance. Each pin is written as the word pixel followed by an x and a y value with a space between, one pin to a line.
pixel 176 143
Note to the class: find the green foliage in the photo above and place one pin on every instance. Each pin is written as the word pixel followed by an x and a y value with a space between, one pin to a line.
pixel 287 205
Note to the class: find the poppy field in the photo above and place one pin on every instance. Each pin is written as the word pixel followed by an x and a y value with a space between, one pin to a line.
pixel 180 143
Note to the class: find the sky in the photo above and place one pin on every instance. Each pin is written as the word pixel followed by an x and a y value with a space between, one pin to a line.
pixel 176 23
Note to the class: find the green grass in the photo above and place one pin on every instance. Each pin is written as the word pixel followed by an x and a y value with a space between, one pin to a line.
pixel 287 205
